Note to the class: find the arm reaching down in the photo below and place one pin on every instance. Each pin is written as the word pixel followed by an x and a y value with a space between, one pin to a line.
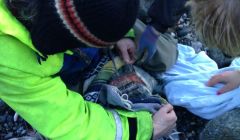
pixel 61 114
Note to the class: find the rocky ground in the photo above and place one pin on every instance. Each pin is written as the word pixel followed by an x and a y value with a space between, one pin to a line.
pixel 14 127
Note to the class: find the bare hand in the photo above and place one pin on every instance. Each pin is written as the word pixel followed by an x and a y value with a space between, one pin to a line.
pixel 231 79
pixel 164 121
pixel 126 48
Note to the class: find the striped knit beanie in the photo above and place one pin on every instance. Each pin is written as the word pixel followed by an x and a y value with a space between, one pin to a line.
pixel 61 25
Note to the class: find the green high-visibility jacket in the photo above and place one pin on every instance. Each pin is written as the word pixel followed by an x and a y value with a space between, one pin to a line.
pixel 45 102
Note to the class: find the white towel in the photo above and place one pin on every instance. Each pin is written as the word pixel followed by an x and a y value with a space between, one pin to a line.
pixel 185 85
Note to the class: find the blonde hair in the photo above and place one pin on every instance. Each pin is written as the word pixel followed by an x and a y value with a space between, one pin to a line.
pixel 218 23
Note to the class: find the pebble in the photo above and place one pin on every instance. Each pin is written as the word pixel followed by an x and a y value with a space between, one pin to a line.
pixel 25 138
pixel 2 119
pixel 3 106
pixel 183 32
pixel 9 135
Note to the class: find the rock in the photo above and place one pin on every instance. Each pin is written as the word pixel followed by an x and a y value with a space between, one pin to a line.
pixel 24 138
pixel 225 127
pixel 3 106
pixel 198 46
pixel 8 136
pixel 19 130
pixel 9 119
pixel 221 59
pixel 23 132
pixel 183 31
pixel 2 119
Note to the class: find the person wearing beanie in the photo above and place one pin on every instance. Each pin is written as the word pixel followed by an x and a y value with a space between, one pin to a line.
pixel 44 43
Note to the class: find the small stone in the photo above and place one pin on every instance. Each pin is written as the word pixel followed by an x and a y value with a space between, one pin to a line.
pixel 5 125
pixel 198 46
pixel 14 128
pixel 25 138
pixel 3 106
pixel 219 57
pixel 10 124
pixel 183 32
pixel 193 123
pixel 9 135
pixel 19 130
pixel 189 135
pixel 23 132
pixel 2 119
pixel 9 119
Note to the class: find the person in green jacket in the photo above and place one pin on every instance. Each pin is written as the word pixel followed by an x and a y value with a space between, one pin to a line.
pixel 42 43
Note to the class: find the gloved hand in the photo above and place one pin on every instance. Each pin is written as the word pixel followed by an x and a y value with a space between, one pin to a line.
pixel 147 43
pixel 166 13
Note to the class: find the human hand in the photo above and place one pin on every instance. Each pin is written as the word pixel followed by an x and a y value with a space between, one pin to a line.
pixel 126 48
pixel 231 79
pixel 166 13
pixel 164 121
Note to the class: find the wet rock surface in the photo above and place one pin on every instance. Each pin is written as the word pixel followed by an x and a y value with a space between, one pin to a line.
pixel 220 58
pixel 225 127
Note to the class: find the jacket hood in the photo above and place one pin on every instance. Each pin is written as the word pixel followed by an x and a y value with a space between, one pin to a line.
pixel 9 25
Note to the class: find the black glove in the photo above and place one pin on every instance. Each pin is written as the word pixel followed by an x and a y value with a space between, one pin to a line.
pixel 166 13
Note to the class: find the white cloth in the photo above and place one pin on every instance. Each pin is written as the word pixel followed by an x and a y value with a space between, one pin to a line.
pixel 185 85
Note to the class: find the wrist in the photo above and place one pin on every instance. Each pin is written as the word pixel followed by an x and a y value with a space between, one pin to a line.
pixel 156 133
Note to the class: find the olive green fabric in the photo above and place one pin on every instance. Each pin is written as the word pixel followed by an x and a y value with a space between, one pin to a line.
pixel 44 101
pixel 166 54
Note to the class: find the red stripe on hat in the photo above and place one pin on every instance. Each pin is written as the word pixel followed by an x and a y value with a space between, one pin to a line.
pixel 77 26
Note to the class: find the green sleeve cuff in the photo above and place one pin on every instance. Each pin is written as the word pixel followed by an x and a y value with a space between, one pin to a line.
pixel 144 124
pixel 130 34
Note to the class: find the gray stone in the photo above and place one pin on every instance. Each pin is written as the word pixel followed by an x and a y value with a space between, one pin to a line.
pixel 197 46
pixel 218 56
pixel 8 136
pixel 2 119
pixel 3 106
pixel 183 31
pixel 225 127
pixel 25 138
